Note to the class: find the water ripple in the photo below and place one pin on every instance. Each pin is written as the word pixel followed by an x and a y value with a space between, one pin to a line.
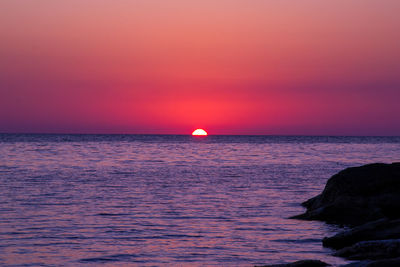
pixel 174 200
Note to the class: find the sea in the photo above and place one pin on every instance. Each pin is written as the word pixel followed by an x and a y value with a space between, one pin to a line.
pixel 170 200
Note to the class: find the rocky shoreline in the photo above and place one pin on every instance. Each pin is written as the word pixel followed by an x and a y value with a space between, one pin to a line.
pixel 366 199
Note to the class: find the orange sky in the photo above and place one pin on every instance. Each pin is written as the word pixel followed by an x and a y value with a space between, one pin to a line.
pixel 231 67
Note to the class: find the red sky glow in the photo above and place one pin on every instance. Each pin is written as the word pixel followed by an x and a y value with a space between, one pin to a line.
pixel 306 67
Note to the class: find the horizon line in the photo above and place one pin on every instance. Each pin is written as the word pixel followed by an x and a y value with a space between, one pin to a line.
pixel 189 134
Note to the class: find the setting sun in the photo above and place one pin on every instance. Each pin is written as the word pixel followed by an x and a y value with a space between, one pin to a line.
pixel 199 132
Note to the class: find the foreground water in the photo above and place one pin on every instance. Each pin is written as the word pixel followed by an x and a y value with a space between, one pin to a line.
pixel 154 200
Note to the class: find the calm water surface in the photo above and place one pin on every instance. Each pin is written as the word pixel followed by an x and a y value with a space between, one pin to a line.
pixel 149 200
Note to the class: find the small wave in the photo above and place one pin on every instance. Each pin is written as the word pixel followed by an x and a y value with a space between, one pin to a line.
pixel 99 259
pixel 110 258
pixel 181 236
pixel 154 160
pixel 123 172
pixel 111 214
pixel 307 240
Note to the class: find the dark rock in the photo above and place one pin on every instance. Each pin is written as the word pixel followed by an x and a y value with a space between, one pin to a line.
pixel 357 195
pixel 376 230
pixel 378 263
pixel 302 263
pixel 371 250
pixel 385 263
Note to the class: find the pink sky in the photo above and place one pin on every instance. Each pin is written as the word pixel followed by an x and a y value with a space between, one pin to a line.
pixel 230 67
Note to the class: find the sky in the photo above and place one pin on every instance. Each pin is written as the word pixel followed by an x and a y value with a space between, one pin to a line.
pixel 274 67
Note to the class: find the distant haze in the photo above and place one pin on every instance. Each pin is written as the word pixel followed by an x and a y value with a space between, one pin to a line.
pixel 306 67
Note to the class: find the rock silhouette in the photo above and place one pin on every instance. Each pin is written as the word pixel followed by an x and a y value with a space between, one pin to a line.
pixel 372 250
pixel 357 195
pixel 380 229
pixel 366 198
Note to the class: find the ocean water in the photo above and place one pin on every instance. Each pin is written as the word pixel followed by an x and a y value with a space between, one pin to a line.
pixel 154 200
